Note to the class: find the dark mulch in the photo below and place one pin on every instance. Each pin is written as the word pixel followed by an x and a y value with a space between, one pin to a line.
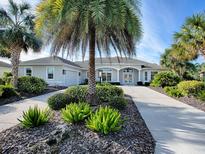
pixel 187 100
pixel 22 96
pixel 133 138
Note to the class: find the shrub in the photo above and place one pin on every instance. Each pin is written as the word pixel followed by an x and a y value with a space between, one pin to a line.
pixel 173 91
pixel 118 102
pixel 139 83
pixel 191 87
pixel 104 84
pixel 76 112
pixel 105 93
pixel 58 101
pixel 77 93
pixel 147 84
pixel 30 84
pixel 1 81
pixel 201 95
pixel 165 78
pixel 7 77
pixel 105 120
pixel 35 117
pixel 7 91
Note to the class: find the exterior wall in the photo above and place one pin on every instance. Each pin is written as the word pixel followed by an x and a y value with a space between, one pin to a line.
pixel 113 77
pixel 148 74
pixel 4 69
pixel 41 72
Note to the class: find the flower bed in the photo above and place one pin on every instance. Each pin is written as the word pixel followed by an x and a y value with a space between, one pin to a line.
pixel 190 100
pixel 59 137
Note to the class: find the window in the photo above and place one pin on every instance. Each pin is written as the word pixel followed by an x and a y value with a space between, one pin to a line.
pixel 106 75
pixel 50 73
pixel 28 72
pixel 145 76
pixel 64 72
pixel 153 74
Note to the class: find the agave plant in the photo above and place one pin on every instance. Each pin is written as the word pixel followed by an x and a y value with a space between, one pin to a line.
pixel 105 120
pixel 35 117
pixel 76 112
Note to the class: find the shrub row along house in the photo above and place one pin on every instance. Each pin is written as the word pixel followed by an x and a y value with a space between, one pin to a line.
pixel 58 71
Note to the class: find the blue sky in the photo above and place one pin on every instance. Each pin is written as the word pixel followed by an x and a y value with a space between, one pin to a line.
pixel 160 18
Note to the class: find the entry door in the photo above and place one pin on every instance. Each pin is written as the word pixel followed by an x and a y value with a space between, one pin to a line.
pixel 128 78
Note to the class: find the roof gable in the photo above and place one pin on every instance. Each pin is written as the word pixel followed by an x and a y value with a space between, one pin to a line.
pixel 3 64
pixel 53 60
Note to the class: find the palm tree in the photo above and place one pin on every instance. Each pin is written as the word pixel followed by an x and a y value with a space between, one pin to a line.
pixel 87 25
pixel 190 41
pixel 17 33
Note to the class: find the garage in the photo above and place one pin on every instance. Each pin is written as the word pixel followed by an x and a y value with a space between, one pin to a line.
pixel 71 78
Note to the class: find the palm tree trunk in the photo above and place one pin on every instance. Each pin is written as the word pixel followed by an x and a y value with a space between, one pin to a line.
pixel 91 70
pixel 15 60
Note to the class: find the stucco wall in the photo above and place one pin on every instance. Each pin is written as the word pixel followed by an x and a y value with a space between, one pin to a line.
pixel 4 69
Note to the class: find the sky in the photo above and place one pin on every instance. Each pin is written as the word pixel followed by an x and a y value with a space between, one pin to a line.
pixel 160 19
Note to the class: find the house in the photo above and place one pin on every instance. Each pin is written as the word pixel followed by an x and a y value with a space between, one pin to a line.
pixel 4 67
pixel 59 71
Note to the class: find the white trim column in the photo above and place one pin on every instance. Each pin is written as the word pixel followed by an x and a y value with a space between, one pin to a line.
pixel 139 75
pixel 118 75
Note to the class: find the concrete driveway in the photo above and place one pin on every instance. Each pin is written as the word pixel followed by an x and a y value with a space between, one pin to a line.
pixel 10 112
pixel 177 128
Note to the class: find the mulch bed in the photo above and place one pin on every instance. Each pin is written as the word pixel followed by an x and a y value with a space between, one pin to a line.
pixel 133 138
pixel 22 96
pixel 187 100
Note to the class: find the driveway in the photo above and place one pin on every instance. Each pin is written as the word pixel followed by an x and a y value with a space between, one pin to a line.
pixel 10 112
pixel 177 127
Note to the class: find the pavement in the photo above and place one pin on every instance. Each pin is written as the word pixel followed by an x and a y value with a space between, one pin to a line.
pixel 10 112
pixel 176 127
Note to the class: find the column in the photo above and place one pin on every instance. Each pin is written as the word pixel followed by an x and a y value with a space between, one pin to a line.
pixel 139 77
pixel 118 75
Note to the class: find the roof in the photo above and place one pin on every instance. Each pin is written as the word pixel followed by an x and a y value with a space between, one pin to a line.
pixel 52 60
pixel 3 64
pixel 121 60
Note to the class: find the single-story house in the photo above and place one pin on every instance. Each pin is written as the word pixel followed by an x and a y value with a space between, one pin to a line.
pixel 4 67
pixel 58 71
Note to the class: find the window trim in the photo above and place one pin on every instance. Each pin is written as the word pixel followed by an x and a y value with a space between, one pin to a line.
pixel 146 76
pixel 25 74
pixel 47 72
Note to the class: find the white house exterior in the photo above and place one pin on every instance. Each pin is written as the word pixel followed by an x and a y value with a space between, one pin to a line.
pixel 4 67
pixel 59 71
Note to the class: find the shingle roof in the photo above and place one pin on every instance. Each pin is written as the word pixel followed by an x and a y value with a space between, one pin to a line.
pixel 54 60
pixel 3 64
pixel 121 60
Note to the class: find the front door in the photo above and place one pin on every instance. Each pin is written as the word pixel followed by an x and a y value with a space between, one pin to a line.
pixel 128 78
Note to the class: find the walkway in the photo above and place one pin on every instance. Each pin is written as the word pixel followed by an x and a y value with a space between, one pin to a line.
pixel 177 128
pixel 10 112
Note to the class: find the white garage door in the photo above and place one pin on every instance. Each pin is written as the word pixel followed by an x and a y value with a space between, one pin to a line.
pixel 71 78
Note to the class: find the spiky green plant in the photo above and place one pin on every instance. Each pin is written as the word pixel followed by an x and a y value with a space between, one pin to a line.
pixel 76 112
pixel 35 117
pixel 105 120
pixel 85 25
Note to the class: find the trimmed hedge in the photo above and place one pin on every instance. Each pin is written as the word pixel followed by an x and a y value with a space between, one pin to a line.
pixel 7 91
pixel 189 88
pixel 58 101
pixel 103 92
pixel 118 102
pixel 30 84
pixel 165 78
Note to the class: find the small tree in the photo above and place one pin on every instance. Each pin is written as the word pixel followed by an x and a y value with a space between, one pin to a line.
pixel 16 34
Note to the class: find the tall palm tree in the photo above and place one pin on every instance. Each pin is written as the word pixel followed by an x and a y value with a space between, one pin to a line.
pixel 191 39
pixel 17 33
pixel 87 25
